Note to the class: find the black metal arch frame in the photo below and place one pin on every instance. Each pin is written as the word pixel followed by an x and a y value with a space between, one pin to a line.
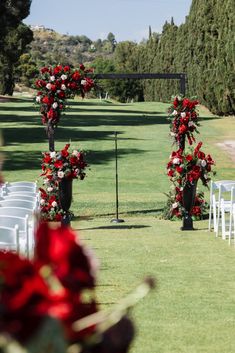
pixel 174 76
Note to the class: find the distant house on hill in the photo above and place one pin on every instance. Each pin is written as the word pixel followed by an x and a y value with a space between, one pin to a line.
pixel 40 28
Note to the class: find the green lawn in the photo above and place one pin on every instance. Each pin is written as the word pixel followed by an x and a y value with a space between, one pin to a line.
pixel 193 308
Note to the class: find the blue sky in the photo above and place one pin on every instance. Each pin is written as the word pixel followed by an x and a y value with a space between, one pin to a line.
pixel 126 19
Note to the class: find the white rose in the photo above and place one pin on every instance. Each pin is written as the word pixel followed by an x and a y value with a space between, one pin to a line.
pixel 42 202
pixel 64 77
pixel 48 86
pixel 54 105
pixel 83 82
pixel 183 115
pixel 60 174
pixel 176 161
pixel 54 204
pixel 46 181
pixel 38 99
pixel 191 123
pixel 172 134
pixel 203 163
pixel 174 112
pixel 52 78
pixel 49 189
pixel 175 205
pixel 75 153
pixel 63 87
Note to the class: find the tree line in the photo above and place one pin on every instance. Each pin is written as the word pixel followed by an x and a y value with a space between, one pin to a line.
pixel 203 47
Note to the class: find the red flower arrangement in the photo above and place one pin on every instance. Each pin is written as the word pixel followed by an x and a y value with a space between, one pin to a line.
pixel 184 119
pixel 174 209
pixel 43 300
pixel 51 285
pixel 189 166
pixel 55 85
pixel 55 167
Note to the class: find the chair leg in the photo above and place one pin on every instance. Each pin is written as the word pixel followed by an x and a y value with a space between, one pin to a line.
pixel 223 224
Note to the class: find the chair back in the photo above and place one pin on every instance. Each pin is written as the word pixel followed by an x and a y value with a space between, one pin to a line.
pixel 9 238
pixel 18 188
pixel 18 203
pixel 16 211
pixel 22 183
pixel 11 221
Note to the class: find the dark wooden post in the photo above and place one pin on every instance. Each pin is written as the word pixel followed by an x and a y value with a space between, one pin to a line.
pixel 50 131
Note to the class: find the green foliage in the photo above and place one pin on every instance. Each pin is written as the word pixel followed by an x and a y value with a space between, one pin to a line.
pixel 14 36
pixel 204 48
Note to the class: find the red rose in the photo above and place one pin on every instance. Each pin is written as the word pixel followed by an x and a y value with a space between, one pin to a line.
pixel 24 297
pixel 52 114
pixel 176 102
pixel 58 69
pixel 189 157
pixel 58 164
pixel 44 69
pixel 47 100
pixel 76 76
pixel 170 173
pixel 66 68
pixel 40 83
pixel 82 67
pixel 61 94
pixel 183 129
pixel 179 170
pixel 185 102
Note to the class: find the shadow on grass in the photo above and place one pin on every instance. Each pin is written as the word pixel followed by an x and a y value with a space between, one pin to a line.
pixel 23 119
pixel 17 160
pixel 33 134
pixel 117 227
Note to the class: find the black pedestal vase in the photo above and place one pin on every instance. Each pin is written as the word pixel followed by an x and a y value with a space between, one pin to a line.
pixel 189 193
pixel 65 196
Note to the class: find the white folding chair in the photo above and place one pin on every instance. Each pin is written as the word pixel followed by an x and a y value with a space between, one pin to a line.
pixel 19 196
pixel 19 188
pixel 215 196
pixel 23 225
pixel 9 239
pixel 18 203
pixel 32 221
pixel 224 207
pixel 232 216
pixel 22 183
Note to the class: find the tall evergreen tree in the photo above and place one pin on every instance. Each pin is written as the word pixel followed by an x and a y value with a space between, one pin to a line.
pixel 14 36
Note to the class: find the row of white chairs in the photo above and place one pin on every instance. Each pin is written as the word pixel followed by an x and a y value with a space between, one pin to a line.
pixel 222 208
pixel 19 202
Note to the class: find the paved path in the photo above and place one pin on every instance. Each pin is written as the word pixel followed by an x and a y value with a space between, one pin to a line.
pixel 229 147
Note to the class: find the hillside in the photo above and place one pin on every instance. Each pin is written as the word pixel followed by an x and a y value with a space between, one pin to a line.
pixel 50 47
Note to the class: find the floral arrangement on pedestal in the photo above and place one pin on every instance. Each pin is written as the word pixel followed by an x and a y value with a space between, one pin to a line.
pixel 48 303
pixel 55 85
pixel 57 166
pixel 184 119
pixel 186 167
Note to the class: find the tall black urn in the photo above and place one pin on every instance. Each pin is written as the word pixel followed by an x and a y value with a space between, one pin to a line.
pixel 189 193
pixel 65 196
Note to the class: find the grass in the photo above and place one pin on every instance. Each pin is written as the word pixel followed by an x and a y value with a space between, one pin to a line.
pixel 193 308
